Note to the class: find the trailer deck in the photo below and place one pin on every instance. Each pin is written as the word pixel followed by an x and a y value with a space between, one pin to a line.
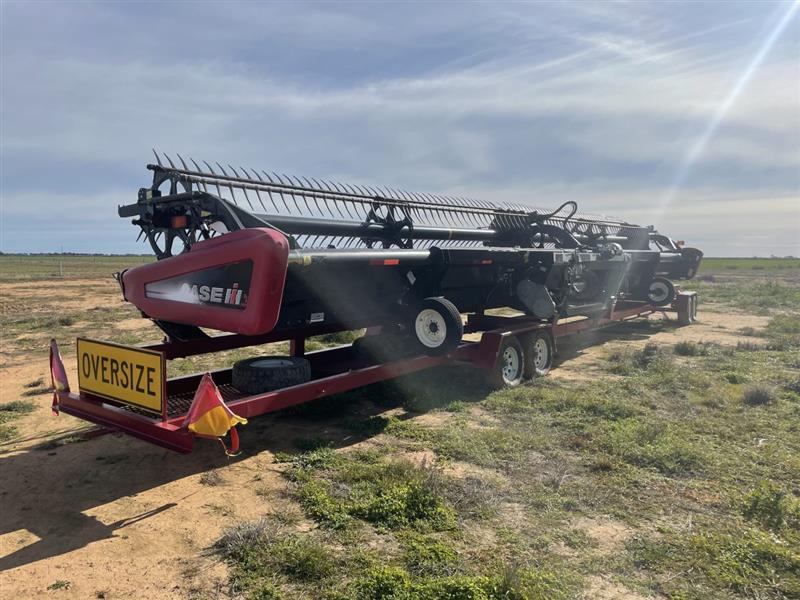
pixel 334 370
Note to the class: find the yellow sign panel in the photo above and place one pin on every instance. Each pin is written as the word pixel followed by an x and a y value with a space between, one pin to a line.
pixel 129 375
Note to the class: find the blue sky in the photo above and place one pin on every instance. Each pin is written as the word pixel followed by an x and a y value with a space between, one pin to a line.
pixel 681 115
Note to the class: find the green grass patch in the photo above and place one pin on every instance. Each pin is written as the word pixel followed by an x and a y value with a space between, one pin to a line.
pixel 367 487
pixel 22 267
pixel 14 409
pixel 10 411
pixel 428 556
pixel 262 554
pixel 661 446
pixel 713 564
pixel 771 265
pixel 772 507
pixel 760 297
pixel 394 583
pixel 689 348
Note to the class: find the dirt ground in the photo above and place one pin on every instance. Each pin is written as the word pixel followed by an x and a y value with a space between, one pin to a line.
pixel 114 517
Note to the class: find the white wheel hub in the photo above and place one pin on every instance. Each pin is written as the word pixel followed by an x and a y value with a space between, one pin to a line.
pixel 510 364
pixel 430 328
pixel 541 354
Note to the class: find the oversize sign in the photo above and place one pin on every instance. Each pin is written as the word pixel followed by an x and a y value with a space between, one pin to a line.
pixel 128 375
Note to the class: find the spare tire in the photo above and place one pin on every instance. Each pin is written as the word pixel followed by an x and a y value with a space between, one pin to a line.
pixel 266 373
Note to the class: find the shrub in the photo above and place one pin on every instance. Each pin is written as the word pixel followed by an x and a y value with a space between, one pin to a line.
pixel 260 551
pixel 532 584
pixel 265 590
pixel 687 348
pixel 627 362
pixel 427 556
pixel 302 558
pixel 648 354
pixel 211 478
pixel 747 346
pixel 405 504
pixel 244 537
pixel 11 410
pixel 758 394
pixel 316 500
pixel 382 583
pixel 456 588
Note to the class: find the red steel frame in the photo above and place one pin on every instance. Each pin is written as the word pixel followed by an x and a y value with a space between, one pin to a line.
pixel 338 371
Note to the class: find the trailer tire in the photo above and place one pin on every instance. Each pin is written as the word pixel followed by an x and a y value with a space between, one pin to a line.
pixel 538 348
pixel 689 316
pixel 266 373
pixel 436 326
pixel 509 368
pixel 660 292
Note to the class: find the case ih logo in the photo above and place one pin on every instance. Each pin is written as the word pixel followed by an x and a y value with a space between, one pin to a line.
pixel 215 295
pixel 226 286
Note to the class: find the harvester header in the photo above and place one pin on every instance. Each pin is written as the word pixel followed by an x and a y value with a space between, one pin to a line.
pixel 258 257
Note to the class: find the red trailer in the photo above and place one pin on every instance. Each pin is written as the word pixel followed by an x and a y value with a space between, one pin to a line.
pixel 125 389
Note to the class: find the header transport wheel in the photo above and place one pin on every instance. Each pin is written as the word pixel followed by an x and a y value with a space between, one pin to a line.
pixel 509 370
pixel 661 292
pixel 437 326
pixel 538 347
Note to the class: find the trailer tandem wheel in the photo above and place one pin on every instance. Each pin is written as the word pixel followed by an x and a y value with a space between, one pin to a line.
pixel 687 313
pixel 538 350
pixel 509 368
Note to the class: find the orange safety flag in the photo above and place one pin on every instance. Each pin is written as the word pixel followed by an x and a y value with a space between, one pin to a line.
pixel 58 375
pixel 209 415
